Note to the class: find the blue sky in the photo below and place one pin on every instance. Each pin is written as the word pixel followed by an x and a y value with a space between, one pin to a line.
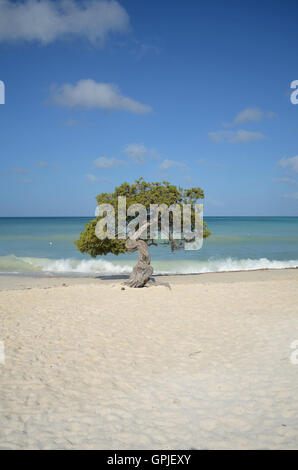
pixel 197 93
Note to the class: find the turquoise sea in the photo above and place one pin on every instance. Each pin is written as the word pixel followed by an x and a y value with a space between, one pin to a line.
pixel 43 246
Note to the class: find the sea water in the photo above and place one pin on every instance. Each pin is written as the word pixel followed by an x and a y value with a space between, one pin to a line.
pixel 44 246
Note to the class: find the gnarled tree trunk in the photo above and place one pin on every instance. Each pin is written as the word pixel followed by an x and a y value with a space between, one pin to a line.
pixel 142 271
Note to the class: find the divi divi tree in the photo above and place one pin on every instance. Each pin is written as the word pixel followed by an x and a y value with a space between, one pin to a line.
pixel 147 194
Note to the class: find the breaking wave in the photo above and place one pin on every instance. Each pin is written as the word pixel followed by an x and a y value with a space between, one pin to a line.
pixel 76 267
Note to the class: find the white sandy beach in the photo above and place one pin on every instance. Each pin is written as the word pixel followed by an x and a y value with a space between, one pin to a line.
pixel 194 362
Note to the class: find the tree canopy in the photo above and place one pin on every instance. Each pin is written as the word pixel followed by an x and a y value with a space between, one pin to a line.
pixel 140 192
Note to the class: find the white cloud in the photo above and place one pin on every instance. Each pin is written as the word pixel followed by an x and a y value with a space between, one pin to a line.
pixel 233 137
pixel 291 163
pixel 90 94
pixel 138 152
pixel 142 49
pixel 291 196
pixel 18 171
pixel 166 164
pixel 250 115
pixel 45 20
pixel 94 179
pixel 25 181
pixel 285 179
pixel 104 162
pixel 42 164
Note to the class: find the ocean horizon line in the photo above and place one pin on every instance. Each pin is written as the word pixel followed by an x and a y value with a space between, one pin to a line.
pixel 93 216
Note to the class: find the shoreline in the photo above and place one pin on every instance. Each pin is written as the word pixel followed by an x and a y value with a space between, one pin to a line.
pixel 24 281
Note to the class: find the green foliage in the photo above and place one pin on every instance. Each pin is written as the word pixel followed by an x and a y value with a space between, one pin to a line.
pixel 89 243
pixel 141 192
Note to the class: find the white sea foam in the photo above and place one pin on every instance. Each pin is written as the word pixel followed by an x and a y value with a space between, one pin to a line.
pixel 13 264
pixel 85 266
